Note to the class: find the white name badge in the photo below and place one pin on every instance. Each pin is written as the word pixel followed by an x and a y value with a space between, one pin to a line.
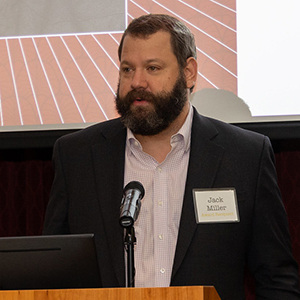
pixel 216 205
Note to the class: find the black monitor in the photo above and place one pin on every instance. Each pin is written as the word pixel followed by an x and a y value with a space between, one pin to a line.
pixel 48 262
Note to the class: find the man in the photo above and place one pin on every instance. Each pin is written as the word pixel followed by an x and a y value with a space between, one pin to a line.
pixel 161 141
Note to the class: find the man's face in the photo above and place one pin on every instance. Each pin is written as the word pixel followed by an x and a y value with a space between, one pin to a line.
pixel 152 89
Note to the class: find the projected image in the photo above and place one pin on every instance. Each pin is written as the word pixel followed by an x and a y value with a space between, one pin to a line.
pixel 69 80
pixel 268 44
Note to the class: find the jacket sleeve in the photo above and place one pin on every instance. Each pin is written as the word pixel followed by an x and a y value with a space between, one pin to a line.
pixel 270 255
pixel 56 218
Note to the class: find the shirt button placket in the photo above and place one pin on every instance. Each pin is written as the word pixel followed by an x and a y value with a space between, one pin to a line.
pixel 160 225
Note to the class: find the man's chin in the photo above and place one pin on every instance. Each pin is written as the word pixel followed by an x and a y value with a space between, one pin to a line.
pixel 141 121
pixel 142 110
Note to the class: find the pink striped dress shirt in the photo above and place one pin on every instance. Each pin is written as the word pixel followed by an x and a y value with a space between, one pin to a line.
pixel 158 222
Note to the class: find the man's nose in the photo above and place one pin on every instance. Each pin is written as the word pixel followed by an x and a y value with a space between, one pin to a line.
pixel 139 80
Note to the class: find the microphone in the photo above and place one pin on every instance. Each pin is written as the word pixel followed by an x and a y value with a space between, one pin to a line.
pixel 133 193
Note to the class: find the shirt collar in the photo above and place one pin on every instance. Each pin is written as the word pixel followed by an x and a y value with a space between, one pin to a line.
pixel 185 130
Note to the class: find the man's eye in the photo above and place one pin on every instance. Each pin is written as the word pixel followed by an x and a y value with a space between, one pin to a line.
pixel 126 69
pixel 153 68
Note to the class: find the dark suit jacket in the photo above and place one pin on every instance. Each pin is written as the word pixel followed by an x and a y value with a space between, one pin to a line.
pixel 87 191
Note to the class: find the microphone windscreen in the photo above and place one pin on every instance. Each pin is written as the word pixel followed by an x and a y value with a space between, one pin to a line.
pixel 135 185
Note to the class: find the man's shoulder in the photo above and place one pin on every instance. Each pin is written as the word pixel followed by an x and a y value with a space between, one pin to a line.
pixel 235 128
pixel 93 133
pixel 227 134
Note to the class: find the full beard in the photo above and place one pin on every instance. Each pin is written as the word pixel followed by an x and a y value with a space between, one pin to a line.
pixel 152 119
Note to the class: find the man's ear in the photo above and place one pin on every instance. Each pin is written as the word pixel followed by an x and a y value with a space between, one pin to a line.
pixel 190 72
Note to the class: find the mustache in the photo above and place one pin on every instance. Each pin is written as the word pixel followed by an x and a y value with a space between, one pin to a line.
pixel 139 94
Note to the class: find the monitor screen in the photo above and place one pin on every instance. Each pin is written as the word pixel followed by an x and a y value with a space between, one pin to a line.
pixel 48 262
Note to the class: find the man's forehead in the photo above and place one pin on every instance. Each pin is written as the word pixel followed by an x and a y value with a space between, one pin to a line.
pixel 140 36
pixel 156 42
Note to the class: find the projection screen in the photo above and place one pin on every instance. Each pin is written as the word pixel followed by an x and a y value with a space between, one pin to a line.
pixel 59 65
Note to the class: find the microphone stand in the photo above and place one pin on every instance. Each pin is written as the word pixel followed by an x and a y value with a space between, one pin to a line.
pixel 129 242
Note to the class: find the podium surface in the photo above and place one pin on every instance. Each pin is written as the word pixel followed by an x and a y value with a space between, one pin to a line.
pixel 167 293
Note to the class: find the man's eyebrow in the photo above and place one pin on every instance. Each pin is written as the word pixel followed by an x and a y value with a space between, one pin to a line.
pixel 148 61
pixel 124 62
pixel 154 60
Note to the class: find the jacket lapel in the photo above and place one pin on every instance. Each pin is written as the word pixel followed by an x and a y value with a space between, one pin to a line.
pixel 108 156
pixel 205 158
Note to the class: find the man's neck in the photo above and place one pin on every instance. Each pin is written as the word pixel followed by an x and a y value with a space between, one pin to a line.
pixel 158 146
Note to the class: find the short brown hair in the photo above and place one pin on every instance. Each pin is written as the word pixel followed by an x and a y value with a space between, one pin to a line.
pixel 182 40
